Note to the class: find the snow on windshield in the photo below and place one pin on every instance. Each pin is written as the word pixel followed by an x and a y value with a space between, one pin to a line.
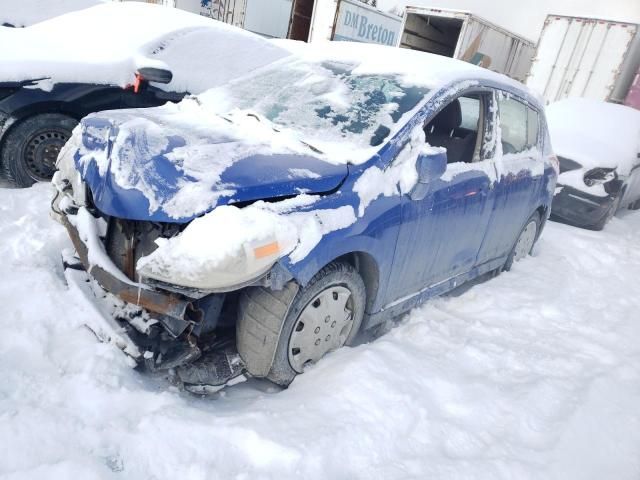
pixel 341 114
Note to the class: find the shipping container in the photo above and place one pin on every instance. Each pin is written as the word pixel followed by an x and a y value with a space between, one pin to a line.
pixel 585 57
pixel 468 37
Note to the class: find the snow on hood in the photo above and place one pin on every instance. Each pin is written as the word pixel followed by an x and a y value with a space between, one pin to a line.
pixel 594 133
pixel 164 164
pixel 109 42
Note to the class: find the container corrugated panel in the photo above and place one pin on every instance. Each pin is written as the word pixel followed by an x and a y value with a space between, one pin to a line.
pixel 579 57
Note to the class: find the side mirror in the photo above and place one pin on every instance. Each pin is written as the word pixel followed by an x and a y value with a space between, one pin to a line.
pixel 151 74
pixel 430 167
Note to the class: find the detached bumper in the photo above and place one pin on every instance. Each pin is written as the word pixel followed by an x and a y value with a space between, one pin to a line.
pixel 580 209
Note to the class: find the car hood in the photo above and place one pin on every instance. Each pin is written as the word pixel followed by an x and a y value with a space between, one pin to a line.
pixel 155 165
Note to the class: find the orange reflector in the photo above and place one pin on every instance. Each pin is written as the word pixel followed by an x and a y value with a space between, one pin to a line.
pixel 266 250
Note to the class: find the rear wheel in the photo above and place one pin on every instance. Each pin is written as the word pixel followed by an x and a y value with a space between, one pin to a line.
pixel 524 243
pixel 31 148
pixel 323 316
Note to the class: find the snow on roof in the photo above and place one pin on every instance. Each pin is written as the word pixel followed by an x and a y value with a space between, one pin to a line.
pixel 21 13
pixel 595 133
pixel 107 43
pixel 416 67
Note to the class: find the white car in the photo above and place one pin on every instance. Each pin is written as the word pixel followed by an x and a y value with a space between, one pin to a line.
pixel 598 148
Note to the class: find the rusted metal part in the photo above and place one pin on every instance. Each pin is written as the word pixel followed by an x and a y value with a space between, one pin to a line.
pixel 169 304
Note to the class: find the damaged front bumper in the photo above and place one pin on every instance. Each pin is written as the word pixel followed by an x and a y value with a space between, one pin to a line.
pixel 161 330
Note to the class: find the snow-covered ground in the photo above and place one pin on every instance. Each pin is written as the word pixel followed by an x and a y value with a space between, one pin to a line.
pixel 533 374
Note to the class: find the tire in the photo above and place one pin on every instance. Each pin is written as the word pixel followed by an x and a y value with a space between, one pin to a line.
pixel 529 237
pixel 30 149
pixel 307 322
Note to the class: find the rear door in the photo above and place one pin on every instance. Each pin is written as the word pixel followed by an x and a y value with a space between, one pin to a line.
pixel 520 169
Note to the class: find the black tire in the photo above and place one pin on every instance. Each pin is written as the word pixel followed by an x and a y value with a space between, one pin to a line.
pixel 264 300
pixel 535 218
pixel 31 147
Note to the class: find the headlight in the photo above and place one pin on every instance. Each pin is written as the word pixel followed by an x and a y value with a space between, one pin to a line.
pixel 223 250
pixel 599 175
pixel 249 263
pixel 67 172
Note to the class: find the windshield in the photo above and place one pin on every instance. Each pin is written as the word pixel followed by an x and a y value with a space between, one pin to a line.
pixel 326 102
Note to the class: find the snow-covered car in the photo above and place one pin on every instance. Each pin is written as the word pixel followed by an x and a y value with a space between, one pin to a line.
pixel 115 55
pixel 598 148
pixel 263 224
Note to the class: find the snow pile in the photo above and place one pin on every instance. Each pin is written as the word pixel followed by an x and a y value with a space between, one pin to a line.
pixel 21 13
pixel 112 40
pixel 220 239
pixel 534 374
pixel 595 134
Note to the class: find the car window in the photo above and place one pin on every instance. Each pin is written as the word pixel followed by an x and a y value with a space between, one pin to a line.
pixel 327 100
pixel 456 126
pixel 519 125
pixel 470 108
pixel 513 124
pixel 532 127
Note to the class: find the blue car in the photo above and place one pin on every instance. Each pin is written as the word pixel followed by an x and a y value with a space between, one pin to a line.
pixel 255 228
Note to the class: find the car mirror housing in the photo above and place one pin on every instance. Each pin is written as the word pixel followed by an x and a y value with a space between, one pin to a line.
pixel 152 74
pixel 430 167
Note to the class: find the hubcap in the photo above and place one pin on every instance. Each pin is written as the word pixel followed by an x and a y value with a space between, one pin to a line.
pixel 41 152
pixel 323 325
pixel 525 242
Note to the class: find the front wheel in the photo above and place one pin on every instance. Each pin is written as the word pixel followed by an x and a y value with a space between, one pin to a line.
pixel 524 243
pixel 31 148
pixel 323 316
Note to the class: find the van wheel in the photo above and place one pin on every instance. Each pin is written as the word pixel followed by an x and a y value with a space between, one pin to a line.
pixel 31 148
pixel 323 316
pixel 524 243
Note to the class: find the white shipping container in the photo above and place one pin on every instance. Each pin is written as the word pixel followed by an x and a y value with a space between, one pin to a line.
pixel 585 57
pixel 466 36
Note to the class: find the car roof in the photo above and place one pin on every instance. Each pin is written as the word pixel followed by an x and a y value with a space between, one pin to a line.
pixel 107 43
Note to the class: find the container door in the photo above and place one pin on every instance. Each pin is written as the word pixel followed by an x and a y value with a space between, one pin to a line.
pixel 300 23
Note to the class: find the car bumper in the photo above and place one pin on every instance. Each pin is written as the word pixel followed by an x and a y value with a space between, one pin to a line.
pixel 580 209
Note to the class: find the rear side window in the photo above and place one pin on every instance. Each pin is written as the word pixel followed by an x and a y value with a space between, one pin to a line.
pixel 518 124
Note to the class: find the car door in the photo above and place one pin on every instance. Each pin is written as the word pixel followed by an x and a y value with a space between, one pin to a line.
pixel 520 168
pixel 441 234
